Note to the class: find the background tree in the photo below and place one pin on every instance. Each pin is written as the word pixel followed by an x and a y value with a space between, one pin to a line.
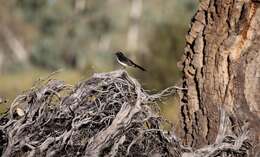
pixel 82 35
pixel 221 70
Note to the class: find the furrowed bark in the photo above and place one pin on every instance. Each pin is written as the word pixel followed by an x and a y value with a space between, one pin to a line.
pixel 221 70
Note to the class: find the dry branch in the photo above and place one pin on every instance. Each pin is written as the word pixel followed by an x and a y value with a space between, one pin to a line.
pixel 108 115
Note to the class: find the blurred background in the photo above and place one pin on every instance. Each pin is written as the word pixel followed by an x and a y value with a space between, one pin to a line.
pixel 38 37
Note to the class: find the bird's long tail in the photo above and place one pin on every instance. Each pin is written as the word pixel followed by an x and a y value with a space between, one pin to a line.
pixel 137 66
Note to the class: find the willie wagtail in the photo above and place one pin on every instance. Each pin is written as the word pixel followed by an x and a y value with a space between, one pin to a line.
pixel 124 61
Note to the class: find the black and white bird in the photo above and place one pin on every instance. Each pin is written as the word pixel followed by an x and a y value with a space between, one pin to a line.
pixel 126 62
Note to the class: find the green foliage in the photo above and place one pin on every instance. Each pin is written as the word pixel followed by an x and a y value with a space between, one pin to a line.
pixel 45 54
pixel 61 34
pixel 166 41
pixel 63 31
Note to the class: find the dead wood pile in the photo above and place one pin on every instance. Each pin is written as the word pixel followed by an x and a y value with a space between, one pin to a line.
pixel 108 115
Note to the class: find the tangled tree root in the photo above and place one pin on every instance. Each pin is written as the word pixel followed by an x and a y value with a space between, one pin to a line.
pixel 227 144
pixel 107 115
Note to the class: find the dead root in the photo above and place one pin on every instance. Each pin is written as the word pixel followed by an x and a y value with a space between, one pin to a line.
pixel 108 115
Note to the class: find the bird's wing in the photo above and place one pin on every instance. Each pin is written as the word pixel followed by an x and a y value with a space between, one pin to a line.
pixel 137 66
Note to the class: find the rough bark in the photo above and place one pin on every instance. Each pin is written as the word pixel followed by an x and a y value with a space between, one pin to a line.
pixel 221 70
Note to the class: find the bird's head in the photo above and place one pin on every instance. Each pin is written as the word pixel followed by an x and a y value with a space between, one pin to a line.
pixel 119 54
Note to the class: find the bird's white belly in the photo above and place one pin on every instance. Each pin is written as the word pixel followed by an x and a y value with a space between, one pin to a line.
pixel 123 64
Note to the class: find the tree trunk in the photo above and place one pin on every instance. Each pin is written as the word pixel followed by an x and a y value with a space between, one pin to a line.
pixel 15 45
pixel 133 32
pixel 221 68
